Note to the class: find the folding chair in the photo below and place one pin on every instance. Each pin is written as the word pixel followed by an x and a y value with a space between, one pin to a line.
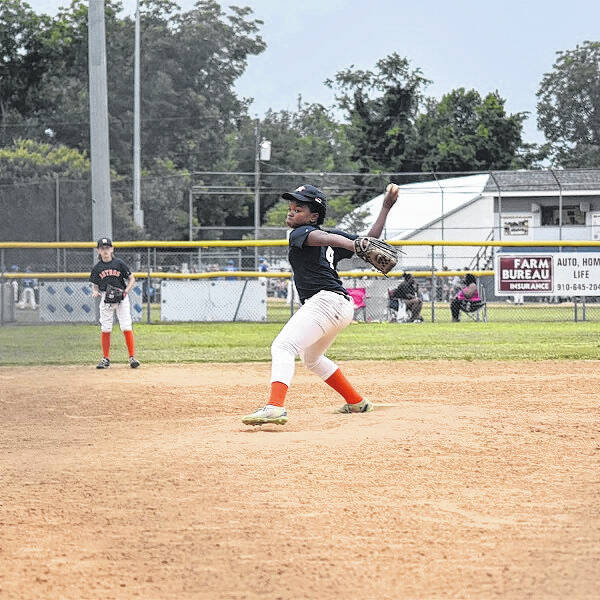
pixel 476 311
pixel 401 314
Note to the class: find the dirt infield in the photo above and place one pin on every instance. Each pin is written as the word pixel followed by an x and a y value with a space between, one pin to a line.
pixel 478 480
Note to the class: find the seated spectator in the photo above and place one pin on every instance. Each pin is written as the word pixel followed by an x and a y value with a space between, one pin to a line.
pixel 467 299
pixel 28 299
pixel 230 267
pixel 408 291
pixel 28 293
pixel 15 284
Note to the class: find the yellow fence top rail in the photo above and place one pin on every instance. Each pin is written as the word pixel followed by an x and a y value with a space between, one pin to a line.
pixel 235 274
pixel 273 243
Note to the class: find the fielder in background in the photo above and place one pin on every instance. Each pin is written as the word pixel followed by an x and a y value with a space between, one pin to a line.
pixel 326 306
pixel 112 281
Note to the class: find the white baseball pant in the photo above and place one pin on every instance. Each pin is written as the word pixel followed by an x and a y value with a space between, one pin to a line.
pixel 308 334
pixel 123 311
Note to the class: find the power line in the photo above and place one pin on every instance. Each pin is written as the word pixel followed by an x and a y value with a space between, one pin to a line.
pixel 49 122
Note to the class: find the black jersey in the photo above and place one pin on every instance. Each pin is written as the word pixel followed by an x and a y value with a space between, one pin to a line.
pixel 314 267
pixel 115 272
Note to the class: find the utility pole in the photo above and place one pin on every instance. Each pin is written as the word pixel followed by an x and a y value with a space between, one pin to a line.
pixel 138 213
pixel 256 188
pixel 99 147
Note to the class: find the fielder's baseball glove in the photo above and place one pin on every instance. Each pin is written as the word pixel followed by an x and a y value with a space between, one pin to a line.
pixel 113 295
pixel 377 253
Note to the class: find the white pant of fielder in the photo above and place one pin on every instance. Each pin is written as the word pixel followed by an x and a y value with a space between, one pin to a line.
pixel 123 311
pixel 308 334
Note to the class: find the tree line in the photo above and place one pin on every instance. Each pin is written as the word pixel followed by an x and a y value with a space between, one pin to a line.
pixel 193 121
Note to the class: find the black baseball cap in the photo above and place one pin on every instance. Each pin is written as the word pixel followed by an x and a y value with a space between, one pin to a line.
pixel 104 242
pixel 307 193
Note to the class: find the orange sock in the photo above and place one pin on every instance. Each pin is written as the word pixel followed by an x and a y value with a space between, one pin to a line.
pixel 342 386
pixel 129 341
pixel 278 392
pixel 106 344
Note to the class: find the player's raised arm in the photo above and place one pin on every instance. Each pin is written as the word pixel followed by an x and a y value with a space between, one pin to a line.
pixel 323 238
pixel 391 195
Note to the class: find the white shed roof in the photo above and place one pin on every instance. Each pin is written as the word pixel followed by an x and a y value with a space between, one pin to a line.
pixel 421 203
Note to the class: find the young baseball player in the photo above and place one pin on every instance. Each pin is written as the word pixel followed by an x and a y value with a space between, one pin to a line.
pixel 112 281
pixel 326 306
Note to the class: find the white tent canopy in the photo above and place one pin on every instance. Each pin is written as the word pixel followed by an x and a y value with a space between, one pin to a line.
pixel 419 204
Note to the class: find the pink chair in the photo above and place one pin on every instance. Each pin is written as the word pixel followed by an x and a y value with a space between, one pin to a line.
pixel 359 296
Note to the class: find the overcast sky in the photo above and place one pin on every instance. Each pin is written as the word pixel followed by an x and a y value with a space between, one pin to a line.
pixel 506 46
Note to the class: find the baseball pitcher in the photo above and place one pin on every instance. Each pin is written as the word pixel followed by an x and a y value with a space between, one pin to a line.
pixel 326 306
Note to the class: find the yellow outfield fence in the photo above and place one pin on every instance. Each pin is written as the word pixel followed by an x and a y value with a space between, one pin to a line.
pixel 251 280
pixel 278 243
pixel 239 274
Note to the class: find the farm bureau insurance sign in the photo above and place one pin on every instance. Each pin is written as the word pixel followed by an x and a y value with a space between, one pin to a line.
pixel 549 274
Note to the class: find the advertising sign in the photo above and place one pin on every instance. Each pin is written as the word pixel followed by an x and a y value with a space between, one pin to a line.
pixel 548 274
pixel 516 227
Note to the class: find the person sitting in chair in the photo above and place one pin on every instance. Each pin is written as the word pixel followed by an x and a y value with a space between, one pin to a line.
pixel 408 291
pixel 467 299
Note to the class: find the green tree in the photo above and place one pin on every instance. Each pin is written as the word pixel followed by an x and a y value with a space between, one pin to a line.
pixel 165 204
pixel 190 112
pixel 381 106
pixel 28 171
pixel 25 54
pixel 569 107
pixel 189 64
pixel 27 198
pixel 463 132
pixel 308 140
pixel 338 208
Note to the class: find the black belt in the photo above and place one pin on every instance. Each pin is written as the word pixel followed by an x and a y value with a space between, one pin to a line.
pixel 347 296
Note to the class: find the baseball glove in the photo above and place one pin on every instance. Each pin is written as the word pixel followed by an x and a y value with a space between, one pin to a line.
pixel 113 295
pixel 377 253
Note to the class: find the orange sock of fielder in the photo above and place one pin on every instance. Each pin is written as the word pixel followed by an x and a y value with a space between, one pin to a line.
pixel 106 344
pixel 129 341
pixel 278 392
pixel 342 386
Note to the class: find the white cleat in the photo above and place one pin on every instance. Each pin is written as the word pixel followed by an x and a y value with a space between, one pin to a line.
pixel 267 414
pixel 363 406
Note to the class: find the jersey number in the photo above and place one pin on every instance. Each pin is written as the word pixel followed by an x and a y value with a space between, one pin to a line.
pixel 329 257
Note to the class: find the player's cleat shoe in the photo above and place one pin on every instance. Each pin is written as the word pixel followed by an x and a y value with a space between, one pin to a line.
pixel 363 406
pixel 103 364
pixel 134 363
pixel 267 414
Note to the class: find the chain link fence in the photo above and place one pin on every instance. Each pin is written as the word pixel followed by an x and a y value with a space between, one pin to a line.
pixel 245 282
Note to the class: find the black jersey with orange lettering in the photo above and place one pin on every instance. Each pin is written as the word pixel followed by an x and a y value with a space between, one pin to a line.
pixel 315 266
pixel 114 272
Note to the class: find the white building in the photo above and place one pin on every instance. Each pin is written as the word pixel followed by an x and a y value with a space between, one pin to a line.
pixel 499 205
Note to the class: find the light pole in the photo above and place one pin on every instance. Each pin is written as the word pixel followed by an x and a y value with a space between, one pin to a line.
pixel 262 151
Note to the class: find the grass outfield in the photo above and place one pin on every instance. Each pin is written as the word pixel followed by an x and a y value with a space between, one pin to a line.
pixel 246 342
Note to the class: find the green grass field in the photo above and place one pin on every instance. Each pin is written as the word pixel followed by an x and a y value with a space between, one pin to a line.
pixel 244 342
